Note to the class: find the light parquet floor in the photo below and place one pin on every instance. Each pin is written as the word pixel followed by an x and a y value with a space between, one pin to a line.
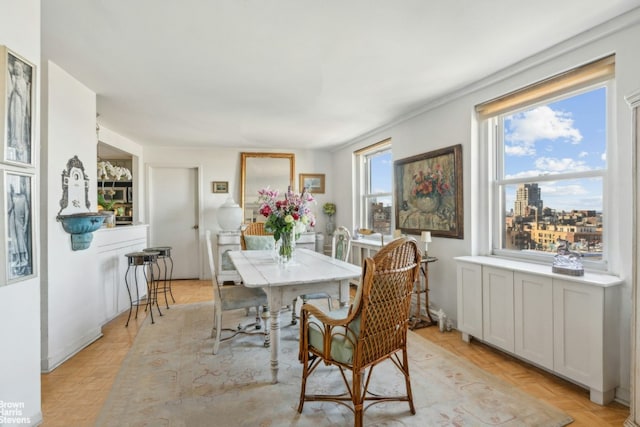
pixel 73 394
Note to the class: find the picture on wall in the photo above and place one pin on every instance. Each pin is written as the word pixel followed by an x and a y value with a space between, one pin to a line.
pixel 429 193
pixel 18 227
pixel 314 183
pixel 220 186
pixel 16 107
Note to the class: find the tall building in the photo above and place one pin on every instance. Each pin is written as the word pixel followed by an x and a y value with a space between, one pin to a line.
pixel 527 196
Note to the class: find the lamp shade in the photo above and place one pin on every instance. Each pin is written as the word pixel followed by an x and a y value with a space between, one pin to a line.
pixel 425 237
pixel 229 216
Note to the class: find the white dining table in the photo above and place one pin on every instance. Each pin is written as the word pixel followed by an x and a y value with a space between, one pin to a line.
pixel 308 272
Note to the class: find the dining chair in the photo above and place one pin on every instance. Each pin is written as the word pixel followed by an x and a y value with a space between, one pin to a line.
pixel 372 330
pixel 252 229
pixel 340 249
pixel 233 297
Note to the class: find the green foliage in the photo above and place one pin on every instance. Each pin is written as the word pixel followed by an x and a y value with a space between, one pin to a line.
pixel 107 206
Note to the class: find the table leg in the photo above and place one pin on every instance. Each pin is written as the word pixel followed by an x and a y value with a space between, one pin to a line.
pixel 275 303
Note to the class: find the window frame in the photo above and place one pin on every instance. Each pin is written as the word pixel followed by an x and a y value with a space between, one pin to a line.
pixel 363 183
pixel 493 132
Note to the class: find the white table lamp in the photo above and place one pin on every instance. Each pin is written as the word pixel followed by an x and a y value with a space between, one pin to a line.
pixel 425 237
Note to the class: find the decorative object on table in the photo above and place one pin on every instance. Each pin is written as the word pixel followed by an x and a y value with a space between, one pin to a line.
pixel 567 262
pixel 229 215
pixel 16 101
pixel 286 218
pixel 18 227
pixel 75 214
pixel 425 237
pixel 220 187
pixel 314 183
pixel 330 210
pixel 429 193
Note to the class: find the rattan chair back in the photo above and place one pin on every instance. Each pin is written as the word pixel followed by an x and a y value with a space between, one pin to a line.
pixel 252 229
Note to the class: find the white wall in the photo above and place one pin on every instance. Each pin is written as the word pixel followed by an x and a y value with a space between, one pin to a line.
pixel 223 164
pixel 20 302
pixel 450 122
pixel 71 297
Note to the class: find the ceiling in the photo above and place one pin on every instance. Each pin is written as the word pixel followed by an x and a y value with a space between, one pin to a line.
pixel 291 73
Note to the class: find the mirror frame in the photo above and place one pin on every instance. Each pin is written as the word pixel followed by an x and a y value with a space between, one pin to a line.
pixel 243 170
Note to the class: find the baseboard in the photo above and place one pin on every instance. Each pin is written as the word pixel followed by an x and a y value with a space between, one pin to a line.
pixel 53 361
pixel 623 396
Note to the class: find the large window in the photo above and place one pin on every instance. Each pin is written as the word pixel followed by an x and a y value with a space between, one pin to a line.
pixel 548 166
pixel 375 165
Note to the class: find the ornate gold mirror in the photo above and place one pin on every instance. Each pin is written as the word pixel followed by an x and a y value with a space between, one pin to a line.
pixel 259 170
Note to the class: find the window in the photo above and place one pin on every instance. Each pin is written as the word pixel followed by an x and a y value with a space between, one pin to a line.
pixel 375 207
pixel 548 143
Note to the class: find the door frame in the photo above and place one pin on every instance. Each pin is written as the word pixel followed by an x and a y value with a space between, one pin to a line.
pixel 198 206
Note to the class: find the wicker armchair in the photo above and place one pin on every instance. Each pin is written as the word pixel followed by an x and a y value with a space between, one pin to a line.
pixel 371 331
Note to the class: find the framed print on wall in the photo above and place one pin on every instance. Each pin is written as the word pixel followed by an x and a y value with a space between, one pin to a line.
pixel 17 99
pixel 18 228
pixel 220 187
pixel 429 193
pixel 314 183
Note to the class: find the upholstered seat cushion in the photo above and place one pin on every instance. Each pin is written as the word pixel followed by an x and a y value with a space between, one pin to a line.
pixel 342 339
pixel 239 296
pixel 259 243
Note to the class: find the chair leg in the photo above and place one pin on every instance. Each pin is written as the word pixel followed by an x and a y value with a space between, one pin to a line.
pixel 305 374
pixel 265 319
pixel 407 379
pixel 258 320
pixel 357 398
pixel 217 316
pixel 294 320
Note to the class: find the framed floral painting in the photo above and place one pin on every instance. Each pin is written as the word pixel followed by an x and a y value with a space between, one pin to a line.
pixel 429 193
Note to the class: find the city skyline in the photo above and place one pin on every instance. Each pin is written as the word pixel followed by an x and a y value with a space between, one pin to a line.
pixel 566 135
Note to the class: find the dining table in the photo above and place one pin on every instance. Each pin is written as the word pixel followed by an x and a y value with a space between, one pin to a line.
pixel 308 272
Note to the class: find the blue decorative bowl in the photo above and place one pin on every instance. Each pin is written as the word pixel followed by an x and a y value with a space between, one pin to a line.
pixel 81 226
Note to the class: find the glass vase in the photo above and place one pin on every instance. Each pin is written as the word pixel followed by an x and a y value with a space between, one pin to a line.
pixel 287 246
pixel 330 227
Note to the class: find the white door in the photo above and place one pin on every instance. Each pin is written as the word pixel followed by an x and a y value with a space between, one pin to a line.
pixel 173 217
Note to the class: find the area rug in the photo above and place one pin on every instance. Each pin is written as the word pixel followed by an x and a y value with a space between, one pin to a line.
pixel 170 378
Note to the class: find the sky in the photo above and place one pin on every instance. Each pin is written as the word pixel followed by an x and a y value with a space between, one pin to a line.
pixel 567 135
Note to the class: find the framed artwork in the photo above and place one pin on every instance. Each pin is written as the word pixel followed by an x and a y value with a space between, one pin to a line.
pixel 220 187
pixel 18 226
pixel 429 193
pixel 312 182
pixel 17 96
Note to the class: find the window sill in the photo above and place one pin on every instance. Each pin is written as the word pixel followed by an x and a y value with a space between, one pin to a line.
pixel 590 278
